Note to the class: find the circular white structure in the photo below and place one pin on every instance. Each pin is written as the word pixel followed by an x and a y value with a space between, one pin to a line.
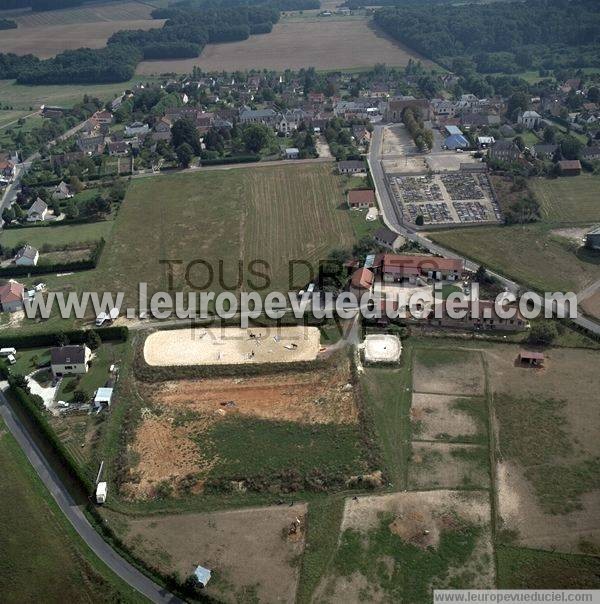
pixel 382 348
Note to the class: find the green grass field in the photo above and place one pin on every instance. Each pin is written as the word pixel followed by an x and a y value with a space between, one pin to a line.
pixel 56 235
pixel 569 200
pixel 388 393
pixel 27 98
pixel 271 447
pixel 529 254
pixel 8 117
pixel 520 568
pixel 42 558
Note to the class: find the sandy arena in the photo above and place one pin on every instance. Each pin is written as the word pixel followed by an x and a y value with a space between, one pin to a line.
pixel 382 348
pixel 231 346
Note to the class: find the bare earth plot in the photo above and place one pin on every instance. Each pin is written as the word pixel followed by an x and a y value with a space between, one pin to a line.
pixel 191 430
pixel 444 536
pixel 548 424
pixel 440 465
pixel 446 417
pixel 449 435
pixel 591 305
pixel 231 346
pixel 296 44
pixel 448 372
pixel 249 551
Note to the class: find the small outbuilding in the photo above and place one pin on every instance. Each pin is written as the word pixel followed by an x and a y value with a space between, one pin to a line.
pixel 534 359
pixel 292 153
pixel 202 575
pixel 103 397
pixel 570 167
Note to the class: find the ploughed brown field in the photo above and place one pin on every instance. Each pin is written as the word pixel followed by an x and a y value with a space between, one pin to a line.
pixel 295 44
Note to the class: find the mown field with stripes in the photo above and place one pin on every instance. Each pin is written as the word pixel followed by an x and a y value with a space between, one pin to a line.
pixel 207 224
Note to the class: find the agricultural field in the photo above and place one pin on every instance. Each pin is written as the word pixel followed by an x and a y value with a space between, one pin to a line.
pixel 251 551
pixel 189 439
pixel 534 257
pixel 296 44
pixel 99 12
pixel 45 34
pixel 268 214
pixel 569 200
pixel 37 541
pixel 397 547
pixel 30 98
pixel 549 453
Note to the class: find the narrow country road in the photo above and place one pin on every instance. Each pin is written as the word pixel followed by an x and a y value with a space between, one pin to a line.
pixel 393 220
pixel 76 517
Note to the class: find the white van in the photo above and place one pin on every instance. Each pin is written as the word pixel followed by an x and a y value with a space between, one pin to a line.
pixel 5 352
pixel 101 319
pixel 11 359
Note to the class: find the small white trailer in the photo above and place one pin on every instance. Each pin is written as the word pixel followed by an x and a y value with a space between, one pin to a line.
pixel 101 491
pixel 5 352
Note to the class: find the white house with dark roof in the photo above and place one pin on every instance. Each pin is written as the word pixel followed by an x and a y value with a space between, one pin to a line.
pixel 38 211
pixel 27 256
pixel 70 360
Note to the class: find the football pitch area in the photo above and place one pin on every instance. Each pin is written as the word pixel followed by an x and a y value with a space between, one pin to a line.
pixel 194 230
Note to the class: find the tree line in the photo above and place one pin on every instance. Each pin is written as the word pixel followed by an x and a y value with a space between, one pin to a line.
pixel 422 136
pixel 500 36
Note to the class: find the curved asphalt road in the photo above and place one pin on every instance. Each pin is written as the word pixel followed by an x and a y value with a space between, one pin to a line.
pixel 75 516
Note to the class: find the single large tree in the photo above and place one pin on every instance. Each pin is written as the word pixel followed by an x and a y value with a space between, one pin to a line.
pixel 184 131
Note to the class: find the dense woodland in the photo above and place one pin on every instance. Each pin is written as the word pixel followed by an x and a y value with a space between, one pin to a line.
pixel 501 36
pixel 189 27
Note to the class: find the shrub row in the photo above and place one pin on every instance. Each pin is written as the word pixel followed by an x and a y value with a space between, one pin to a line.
pixel 55 223
pixel 28 404
pixel 34 340
pixel 239 159
pixel 60 267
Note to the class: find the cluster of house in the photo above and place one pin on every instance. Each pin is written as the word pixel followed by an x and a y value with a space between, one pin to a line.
pixel 419 271
pixel 556 103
